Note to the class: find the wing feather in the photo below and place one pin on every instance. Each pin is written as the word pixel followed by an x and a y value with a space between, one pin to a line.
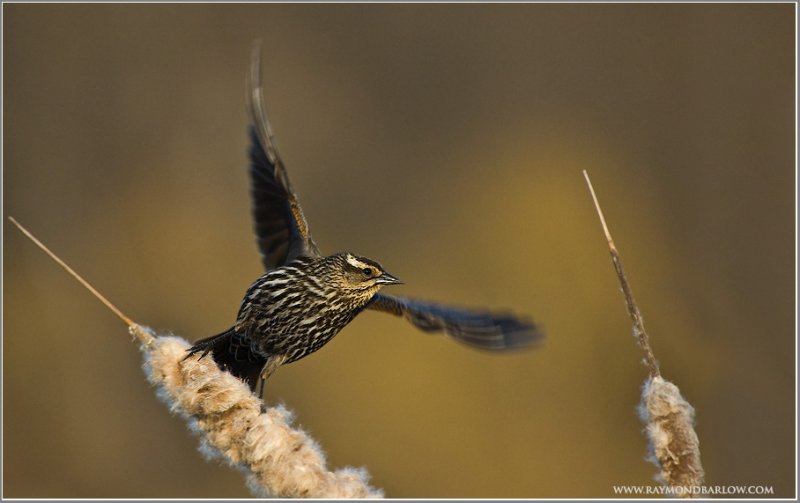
pixel 481 329
pixel 281 229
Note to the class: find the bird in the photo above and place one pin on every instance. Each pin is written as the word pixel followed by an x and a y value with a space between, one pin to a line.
pixel 305 298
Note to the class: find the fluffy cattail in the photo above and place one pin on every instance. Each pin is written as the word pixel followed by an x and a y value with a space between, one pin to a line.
pixel 674 446
pixel 669 419
pixel 277 459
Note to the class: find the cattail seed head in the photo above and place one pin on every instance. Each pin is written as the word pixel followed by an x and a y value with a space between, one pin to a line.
pixel 674 446
pixel 276 458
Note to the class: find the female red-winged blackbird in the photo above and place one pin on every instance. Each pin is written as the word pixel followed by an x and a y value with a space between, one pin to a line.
pixel 305 298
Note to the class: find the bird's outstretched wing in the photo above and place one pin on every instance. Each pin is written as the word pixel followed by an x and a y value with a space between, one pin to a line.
pixel 481 329
pixel 281 229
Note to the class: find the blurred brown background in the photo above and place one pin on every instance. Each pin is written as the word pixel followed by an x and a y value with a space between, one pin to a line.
pixel 446 141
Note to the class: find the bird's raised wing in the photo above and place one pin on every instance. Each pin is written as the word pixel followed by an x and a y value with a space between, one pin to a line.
pixel 481 329
pixel 281 229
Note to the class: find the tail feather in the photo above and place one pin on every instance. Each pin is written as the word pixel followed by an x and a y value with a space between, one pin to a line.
pixel 233 354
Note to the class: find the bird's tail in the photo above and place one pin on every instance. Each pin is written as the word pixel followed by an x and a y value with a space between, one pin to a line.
pixel 231 353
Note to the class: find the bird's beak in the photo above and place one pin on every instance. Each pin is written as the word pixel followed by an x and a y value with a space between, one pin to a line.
pixel 387 279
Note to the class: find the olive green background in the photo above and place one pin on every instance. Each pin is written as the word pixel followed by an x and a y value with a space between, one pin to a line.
pixel 447 142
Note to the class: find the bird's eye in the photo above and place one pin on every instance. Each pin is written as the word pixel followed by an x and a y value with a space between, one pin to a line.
pixel 367 271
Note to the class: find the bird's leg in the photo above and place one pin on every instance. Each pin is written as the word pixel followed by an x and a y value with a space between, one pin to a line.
pixel 261 393
pixel 273 362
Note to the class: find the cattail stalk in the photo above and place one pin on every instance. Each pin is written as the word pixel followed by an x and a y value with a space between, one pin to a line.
pixel 277 458
pixel 669 419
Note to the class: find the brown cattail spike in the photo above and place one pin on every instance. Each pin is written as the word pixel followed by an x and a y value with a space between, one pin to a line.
pixel 633 309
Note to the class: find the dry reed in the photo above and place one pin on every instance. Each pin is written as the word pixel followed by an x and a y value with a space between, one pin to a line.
pixel 669 419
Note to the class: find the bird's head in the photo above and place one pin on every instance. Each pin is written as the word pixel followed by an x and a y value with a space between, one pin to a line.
pixel 360 274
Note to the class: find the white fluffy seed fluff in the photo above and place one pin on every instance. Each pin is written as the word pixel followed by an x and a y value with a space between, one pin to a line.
pixel 277 459
pixel 674 446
